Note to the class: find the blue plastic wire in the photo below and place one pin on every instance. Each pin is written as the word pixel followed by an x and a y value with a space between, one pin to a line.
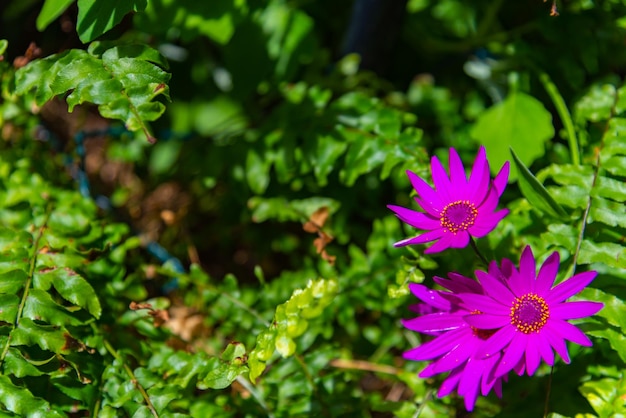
pixel 154 248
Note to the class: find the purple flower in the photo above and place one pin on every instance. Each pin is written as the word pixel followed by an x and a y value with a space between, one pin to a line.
pixel 530 315
pixel 456 342
pixel 457 207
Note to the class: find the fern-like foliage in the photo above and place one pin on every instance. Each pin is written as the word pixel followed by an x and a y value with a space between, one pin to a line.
pixel 123 81
pixel 591 234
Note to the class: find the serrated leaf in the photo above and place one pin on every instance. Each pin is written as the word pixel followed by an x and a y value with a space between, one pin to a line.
pixel 8 307
pixel 122 87
pixel 16 365
pixel 520 122
pixel 71 286
pixel 12 281
pixel 40 306
pixel 50 11
pixel 47 337
pixel 534 191
pixel 98 17
pixel 611 254
pixel 21 401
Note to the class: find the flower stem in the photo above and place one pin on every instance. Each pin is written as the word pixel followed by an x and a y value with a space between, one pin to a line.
pixel 478 253
pixel 547 403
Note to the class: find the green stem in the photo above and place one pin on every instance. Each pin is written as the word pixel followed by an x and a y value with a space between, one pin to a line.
pixel 130 374
pixel 478 253
pixel 547 403
pixel 29 281
pixel 564 114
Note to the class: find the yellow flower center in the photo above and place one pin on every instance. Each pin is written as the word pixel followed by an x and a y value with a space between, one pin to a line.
pixel 529 313
pixel 458 216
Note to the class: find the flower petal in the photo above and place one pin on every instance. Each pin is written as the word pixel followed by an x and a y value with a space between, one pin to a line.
pixel 421 239
pixel 441 180
pixel 486 321
pixel 569 332
pixel 457 171
pixel 442 244
pixel 479 178
pixel 527 266
pixel 570 287
pixel 484 304
pixel 494 288
pixel 575 310
pixel 440 345
pixel 450 383
pixel 557 342
pixel 533 357
pixel 513 354
pixel 456 357
pixel 496 342
pixel 429 296
pixel 470 382
pixel 459 284
pixel 436 322
pixel 459 240
pixel 502 178
pixel 547 274
pixel 545 350
pixel 429 199
pixel 485 223
pixel 416 219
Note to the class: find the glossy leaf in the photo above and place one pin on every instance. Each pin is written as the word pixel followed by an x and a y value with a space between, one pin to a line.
pixel 534 191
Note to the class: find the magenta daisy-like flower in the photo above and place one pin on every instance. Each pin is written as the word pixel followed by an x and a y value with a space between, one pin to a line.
pixel 457 207
pixel 530 315
pixel 456 342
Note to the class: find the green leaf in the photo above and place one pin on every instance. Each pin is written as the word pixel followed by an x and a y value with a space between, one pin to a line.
pixel 21 401
pixel 40 306
pixel 8 307
pixel 18 366
pixel 71 286
pixel 123 87
pixel 534 191
pixel 50 11
pixel 12 281
pixel 606 396
pixel 3 45
pixel 329 149
pixel 47 337
pixel 257 172
pixel 520 122
pixel 602 252
pixel 97 17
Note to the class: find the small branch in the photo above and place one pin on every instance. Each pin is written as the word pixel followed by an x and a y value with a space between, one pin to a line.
pixel 596 173
pixel 29 281
pixel 132 376
pixel 255 393
pixel 478 253
pixel 364 365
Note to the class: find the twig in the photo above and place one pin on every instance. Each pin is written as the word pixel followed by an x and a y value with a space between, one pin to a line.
pixel 364 365
pixel 132 376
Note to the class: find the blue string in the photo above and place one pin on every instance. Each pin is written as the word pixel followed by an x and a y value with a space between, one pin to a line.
pixel 154 248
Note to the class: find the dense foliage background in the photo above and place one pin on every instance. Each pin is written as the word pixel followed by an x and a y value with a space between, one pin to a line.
pixel 193 198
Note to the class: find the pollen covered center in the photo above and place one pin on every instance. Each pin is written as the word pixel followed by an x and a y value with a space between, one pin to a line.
pixel 458 216
pixel 529 313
